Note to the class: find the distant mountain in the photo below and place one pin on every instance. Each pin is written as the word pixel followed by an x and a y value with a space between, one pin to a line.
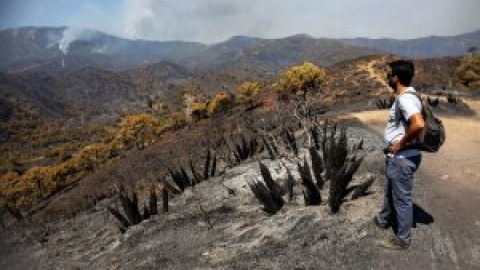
pixel 427 47
pixel 272 55
pixel 58 48
pixel 48 48
pixel 32 47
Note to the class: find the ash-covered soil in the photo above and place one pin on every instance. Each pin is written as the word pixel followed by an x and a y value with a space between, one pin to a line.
pixel 218 224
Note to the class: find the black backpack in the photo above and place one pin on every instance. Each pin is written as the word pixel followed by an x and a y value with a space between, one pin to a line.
pixel 433 135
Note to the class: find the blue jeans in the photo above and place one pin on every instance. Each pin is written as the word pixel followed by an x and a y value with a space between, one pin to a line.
pixel 398 201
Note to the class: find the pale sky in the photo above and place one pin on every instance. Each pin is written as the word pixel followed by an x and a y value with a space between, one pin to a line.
pixel 210 21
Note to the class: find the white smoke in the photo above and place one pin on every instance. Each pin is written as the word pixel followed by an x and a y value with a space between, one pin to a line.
pixel 199 20
pixel 102 49
pixel 71 34
pixel 53 38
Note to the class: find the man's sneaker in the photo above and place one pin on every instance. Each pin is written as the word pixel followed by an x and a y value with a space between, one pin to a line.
pixel 394 243
pixel 379 224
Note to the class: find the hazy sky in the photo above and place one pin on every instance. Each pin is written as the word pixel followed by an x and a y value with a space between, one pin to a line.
pixel 211 21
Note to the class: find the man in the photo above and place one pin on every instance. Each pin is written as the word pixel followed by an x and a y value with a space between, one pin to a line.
pixel 404 125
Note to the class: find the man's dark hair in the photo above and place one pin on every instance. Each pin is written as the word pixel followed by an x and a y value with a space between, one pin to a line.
pixel 404 70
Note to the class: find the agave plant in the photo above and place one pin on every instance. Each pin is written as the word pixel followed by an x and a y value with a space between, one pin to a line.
pixel 339 184
pixel 385 103
pixel 290 140
pixel 311 194
pixel 131 211
pixel 269 193
pixel 246 149
pixel 317 167
pixel 361 190
pixel 269 147
pixel 453 99
pixel 433 102
pixel 290 183
pixel 165 200
pixel 315 135
pixel 339 162
pixel 181 179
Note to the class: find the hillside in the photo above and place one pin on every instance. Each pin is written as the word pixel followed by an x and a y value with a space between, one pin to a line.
pixel 219 224
pixel 34 100
pixel 28 47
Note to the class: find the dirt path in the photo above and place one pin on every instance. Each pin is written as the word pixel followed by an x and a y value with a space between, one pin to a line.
pixel 449 190
pixel 373 73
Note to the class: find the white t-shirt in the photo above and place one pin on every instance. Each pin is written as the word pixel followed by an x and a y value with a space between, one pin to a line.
pixel 409 105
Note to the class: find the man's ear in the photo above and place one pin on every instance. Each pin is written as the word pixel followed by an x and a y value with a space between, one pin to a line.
pixel 396 80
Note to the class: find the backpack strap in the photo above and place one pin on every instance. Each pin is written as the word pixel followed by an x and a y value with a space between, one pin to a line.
pixel 399 117
pixel 398 112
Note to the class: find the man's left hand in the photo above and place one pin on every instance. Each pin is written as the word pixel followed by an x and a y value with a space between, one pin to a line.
pixel 395 147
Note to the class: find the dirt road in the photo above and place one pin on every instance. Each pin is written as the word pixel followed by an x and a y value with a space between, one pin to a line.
pixel 448 190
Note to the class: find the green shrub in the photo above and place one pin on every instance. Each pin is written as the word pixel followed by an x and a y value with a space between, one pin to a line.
pixel 222 102
pixel 469 71
pixel 248 91
pixel 301 78
pixel 137 130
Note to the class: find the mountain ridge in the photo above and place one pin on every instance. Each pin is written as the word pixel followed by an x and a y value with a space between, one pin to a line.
pixel 22 48
pixel 425 47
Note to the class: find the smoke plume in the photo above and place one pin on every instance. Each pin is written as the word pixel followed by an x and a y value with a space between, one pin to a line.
pixel 71 34
pixel 200 20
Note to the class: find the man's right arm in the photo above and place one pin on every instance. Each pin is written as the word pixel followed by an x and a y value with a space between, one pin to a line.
pixel 415 124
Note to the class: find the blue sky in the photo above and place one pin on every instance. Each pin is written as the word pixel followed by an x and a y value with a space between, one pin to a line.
pixel 216 20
